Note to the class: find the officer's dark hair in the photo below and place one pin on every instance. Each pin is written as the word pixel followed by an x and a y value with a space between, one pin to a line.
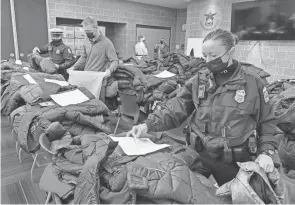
pixel 228 39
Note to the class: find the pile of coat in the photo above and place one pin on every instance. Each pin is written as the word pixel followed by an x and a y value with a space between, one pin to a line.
pixel 137 77
pixel 93 169
pixel 10 67
pixel 276 87
pixel 282 95
pixel 29 122
pixel 29 88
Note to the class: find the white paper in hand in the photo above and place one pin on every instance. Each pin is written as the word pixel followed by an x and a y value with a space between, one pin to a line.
pixel 69 98
pixel 90 80
pixel 140 146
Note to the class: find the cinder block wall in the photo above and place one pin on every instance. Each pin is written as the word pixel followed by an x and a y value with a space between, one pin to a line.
pixel 276 57
pixel 117 11
pixel 181 19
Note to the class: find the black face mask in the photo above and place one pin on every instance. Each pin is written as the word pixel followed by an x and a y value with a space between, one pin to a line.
pixel 216 65
pixel 90 35
pixel 56 41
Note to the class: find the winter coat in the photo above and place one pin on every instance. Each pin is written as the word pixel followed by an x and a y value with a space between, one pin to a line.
pixel 77 119
pixel 19 91
pixel 253 186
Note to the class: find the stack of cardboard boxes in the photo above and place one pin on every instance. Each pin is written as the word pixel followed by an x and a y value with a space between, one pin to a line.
pixel 79 40
pixel 74 37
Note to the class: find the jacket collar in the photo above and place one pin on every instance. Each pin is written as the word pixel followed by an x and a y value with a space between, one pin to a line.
pixel 52 43
pixel 233 83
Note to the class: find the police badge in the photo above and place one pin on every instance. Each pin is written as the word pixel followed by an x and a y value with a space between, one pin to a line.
pixel 57 51
pixel 265 94
pixel 240 96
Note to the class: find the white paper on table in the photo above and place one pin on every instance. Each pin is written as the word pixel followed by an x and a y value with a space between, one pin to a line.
pixel 91 80
pixel 136 146
pixel 69 98
pixel 165 74
pixel 29 79
pixel 59 82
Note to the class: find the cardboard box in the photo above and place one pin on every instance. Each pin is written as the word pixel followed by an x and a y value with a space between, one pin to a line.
pixel 79 43
pixel 80 35
pixel 69 34
pixel 70 28
pixel 70 43
pixel 62 27
pixel 78 51
pixel 79 29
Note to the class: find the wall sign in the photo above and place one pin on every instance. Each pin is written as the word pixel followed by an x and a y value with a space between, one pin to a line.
pixel 210 17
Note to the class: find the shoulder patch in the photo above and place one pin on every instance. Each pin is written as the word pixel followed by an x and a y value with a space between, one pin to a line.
pixel 265 95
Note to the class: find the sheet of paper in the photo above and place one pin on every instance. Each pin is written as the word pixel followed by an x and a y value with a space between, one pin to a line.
pixel 30 79
pixel 134 146
pixel 90 80
pixel 59 82
pixel 26 68
pixel 165 74
pixel 69 98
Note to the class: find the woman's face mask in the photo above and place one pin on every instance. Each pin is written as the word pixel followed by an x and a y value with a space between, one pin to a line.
pixel 217 65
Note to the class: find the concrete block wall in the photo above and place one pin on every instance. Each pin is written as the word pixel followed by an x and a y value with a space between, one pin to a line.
pixel 180 20
pixel 275 57
pixel 117 11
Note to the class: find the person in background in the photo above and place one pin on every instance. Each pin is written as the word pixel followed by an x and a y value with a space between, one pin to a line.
pixel 181 49
pixel 99 52
pixel 232 119
pixel 140 47
pixel 160 49
pixel 164 48
pixel 59 53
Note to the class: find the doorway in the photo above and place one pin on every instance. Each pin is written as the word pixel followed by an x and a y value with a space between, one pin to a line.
pixel 153 34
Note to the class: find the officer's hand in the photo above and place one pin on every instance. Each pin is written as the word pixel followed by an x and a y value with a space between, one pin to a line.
pixel 36 50
pixel 108 74
pixel 265 162
pixel 137 131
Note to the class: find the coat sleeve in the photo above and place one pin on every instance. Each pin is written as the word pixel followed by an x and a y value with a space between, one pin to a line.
pixel 111 55
pixel 174 113
pixel 68 57
pixel 269 133
pixel 44 49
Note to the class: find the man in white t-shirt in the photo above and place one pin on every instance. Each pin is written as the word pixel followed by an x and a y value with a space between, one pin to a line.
pixel 140 47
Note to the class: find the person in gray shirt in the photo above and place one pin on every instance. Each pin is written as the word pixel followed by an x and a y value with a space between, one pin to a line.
pixel 99 53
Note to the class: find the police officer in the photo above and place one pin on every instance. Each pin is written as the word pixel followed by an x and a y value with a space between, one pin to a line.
pixel 59 53
pixel 231 117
